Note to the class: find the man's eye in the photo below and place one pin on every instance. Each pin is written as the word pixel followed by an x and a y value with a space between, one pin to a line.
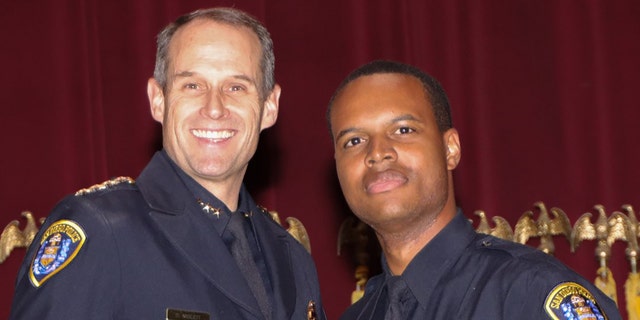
pixel 352 142
pixel 405 130
pixel 192 86
pixel 236 88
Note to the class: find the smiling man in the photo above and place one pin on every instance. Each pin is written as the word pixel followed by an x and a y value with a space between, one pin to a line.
pixel 185 240
pixel 395 151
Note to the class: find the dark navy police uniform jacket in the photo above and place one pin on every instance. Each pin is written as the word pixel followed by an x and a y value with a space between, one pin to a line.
pixel 462 274
pixel 145 250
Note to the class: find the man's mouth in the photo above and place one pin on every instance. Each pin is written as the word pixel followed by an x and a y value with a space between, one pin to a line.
pixel 213 134
pixel 384 181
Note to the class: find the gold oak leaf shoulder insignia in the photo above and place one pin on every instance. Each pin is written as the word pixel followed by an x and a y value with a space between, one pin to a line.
pixel 105 185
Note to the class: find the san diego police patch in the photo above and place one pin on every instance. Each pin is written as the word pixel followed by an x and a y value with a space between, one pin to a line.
pixel 570 300
pixel 59 244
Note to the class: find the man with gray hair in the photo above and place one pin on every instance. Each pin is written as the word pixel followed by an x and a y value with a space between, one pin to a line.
pixel 185 240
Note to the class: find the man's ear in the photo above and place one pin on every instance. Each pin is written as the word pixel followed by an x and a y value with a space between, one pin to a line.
pixel 270 111
pixel 452 145
pixel 156 99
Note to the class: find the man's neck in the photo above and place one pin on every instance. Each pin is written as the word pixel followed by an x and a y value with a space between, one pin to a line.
pixel 400 248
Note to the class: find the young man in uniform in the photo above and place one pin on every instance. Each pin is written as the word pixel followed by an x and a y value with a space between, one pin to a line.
pixel 395 151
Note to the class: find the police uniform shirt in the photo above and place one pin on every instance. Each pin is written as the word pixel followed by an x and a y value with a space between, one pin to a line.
pixel 461 274
pixel 147 250
pixel 219 215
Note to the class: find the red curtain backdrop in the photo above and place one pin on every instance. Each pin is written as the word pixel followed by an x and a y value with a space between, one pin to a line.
pixel 544 95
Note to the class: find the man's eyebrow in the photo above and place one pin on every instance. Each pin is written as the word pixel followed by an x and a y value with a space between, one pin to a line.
pixel 345 132
pixel 242 77
pixel 184 74
pixel 402 117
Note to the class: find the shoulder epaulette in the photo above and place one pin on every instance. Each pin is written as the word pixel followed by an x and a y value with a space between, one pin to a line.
pixel 105 185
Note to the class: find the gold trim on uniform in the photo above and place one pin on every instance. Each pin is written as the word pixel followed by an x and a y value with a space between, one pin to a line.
pixel 105 185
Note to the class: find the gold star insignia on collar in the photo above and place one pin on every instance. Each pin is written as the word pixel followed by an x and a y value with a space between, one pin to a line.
pixel 206 207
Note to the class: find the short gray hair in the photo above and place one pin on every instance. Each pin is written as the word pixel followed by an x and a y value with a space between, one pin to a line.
pixel 229 16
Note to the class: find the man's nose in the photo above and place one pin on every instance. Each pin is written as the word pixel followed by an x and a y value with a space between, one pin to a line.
pixel 380 150
pixel 215 106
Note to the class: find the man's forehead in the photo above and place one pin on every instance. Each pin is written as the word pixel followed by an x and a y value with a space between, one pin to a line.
pixel 203 42
pixel 382 98
pixel 382 87
pixel 214 30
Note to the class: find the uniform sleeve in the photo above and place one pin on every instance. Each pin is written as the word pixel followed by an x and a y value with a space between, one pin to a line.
pixel 552 291
pixel 71 269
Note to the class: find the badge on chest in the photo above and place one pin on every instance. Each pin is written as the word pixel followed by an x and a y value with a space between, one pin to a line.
pixel 175 314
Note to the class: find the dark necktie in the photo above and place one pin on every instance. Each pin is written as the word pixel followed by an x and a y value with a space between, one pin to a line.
pixel 397 295
pixel 241 252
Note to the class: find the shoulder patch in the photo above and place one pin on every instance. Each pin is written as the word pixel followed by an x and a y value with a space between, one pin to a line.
pixel 569 300
pixel 59 245
pixel 105 185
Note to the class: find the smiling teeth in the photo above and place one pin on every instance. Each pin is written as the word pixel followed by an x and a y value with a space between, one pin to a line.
pixel 212 134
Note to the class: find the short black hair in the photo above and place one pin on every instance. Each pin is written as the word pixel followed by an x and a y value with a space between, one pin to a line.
pixel 432 87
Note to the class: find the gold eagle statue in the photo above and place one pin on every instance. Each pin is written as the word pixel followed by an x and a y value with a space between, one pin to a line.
pixel 501 230
pixel 632 237
pixel 355 234
pixel 544 227
pixel 296 229
pixel 605 230
pixel 12 237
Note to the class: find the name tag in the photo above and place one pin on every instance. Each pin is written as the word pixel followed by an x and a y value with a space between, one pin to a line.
pixel 173 314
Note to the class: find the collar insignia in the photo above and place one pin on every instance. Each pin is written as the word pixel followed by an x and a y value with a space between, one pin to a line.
pixel 207 208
